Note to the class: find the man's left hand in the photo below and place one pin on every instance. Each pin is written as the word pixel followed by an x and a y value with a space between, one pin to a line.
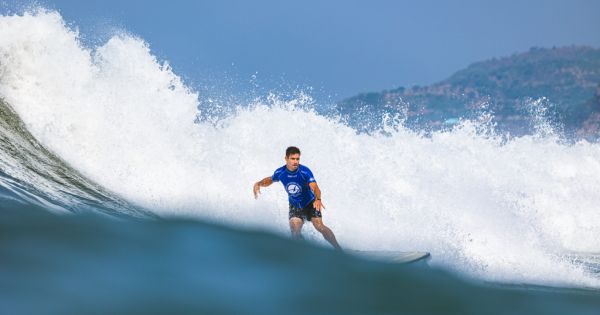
pixel 318 205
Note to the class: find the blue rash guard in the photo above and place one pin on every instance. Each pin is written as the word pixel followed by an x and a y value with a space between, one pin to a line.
pixel 296 184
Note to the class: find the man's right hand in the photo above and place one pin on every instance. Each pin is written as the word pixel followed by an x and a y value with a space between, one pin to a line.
pixel 265 182
pixel 256 190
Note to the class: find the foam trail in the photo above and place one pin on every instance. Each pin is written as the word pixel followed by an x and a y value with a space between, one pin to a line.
pixel 502 211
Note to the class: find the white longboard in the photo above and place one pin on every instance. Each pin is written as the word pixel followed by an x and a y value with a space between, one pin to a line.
pixel 391 256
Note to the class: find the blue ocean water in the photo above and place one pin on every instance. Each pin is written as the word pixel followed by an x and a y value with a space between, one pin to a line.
pixel 115 198
pixel 91 264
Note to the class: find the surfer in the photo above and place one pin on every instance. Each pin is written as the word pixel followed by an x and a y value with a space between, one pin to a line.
pixel 304 195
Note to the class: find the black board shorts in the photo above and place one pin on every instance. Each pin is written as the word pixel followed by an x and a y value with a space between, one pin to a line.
pixel 306 213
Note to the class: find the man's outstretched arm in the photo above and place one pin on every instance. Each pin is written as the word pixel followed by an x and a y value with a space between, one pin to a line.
pixel 261 183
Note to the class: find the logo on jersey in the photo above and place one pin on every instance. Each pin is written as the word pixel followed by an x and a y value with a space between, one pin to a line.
pixel 293 189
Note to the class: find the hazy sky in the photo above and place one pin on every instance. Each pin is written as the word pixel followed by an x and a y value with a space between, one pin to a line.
pixel 340 48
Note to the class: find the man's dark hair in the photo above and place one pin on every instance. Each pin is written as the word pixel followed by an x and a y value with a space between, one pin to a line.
pixel 291 150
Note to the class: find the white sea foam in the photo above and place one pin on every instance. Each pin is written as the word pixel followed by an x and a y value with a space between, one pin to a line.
pixel 494 210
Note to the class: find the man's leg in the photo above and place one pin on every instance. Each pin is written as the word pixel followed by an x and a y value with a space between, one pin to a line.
pixel 327 233
pixel 296 227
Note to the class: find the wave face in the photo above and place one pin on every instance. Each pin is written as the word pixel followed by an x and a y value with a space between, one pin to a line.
pixel 118 120
pixel 32 176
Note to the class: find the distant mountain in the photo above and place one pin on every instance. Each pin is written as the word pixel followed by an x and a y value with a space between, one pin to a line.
pixel 566 77
pixel 590 128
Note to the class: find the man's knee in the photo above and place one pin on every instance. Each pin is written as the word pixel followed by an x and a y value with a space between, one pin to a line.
pixel 318 224
pixel 296 224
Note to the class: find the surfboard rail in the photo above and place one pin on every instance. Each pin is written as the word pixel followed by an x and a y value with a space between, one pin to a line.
pixel 399 257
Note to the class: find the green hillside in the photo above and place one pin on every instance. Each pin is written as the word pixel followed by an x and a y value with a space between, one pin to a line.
pixel 567 77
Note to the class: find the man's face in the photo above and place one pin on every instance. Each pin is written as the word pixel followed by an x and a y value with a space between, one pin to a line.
pixel 292 161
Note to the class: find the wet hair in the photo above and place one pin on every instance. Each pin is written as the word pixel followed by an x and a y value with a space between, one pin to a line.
pixel 291 150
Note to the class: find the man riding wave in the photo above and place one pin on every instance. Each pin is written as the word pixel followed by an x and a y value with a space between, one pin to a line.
pixel 304 195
